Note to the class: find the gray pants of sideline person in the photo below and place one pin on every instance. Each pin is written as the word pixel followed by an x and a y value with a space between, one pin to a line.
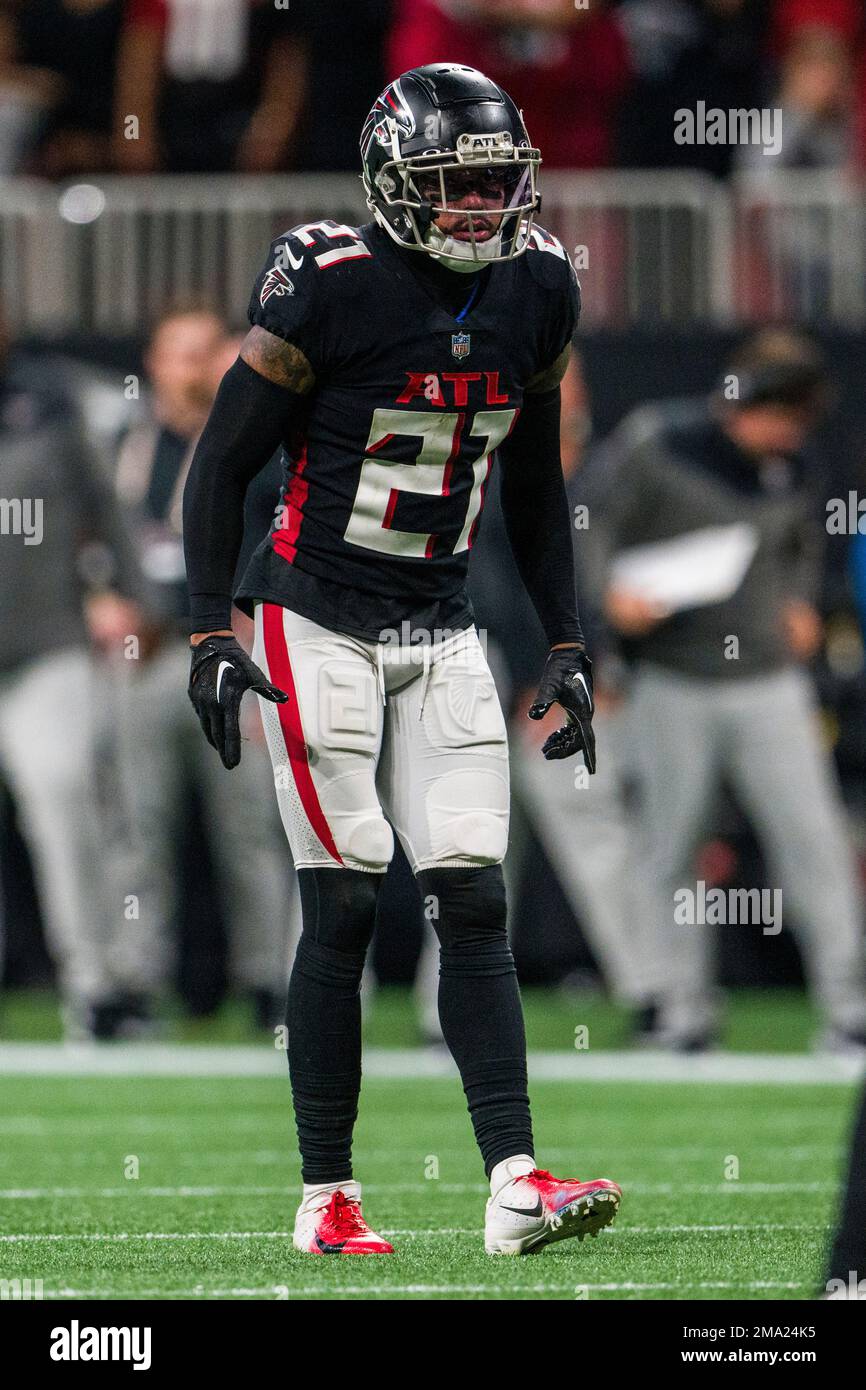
pixel 586 833
pixel 46 759
pixel 162 753
pixel 762 735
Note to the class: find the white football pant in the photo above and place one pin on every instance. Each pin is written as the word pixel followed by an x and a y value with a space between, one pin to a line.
pixel 376 729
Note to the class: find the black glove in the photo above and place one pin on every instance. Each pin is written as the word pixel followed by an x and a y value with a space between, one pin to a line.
pixel 567 679
pixel 220 672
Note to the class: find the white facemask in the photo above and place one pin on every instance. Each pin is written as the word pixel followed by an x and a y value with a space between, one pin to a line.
pixel 456 254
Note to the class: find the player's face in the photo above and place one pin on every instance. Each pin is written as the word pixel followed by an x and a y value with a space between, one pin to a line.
pixel 479 191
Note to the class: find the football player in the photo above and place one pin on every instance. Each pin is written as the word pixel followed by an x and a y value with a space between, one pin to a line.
pixel 393 361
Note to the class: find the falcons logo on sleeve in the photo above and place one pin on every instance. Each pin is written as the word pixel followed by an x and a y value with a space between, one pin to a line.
pixel 276 282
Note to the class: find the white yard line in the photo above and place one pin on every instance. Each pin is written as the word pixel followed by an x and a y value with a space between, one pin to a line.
pixel 439 1233
pixel 11 1194
pixel 194 1060
pixel 288 1291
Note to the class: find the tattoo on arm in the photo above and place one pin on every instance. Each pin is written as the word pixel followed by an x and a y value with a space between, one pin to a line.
pixel 277 360
pixel 546 380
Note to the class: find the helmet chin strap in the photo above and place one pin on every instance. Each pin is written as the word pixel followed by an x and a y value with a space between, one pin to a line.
pixel 448 251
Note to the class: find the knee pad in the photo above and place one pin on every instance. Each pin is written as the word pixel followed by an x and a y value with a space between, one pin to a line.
pixel 369 842
pixel 480 835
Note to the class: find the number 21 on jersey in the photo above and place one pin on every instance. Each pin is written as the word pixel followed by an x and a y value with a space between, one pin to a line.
pixel 381 483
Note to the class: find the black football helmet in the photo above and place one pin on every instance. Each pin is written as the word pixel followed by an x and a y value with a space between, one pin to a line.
pixel 435 134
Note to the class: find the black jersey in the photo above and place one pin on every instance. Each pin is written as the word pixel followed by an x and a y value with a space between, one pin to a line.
pixel 416 386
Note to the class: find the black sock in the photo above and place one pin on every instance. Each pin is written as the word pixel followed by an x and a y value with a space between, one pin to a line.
pixel 324 1016
pixel 479 1005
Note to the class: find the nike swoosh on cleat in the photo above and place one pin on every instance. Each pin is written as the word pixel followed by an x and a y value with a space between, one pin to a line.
pixel 327 1249
pixel 537 1210
pixel 223 666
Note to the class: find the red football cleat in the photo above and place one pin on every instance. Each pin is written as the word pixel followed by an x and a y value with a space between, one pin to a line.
pixel 332 1224
pixel 534 1210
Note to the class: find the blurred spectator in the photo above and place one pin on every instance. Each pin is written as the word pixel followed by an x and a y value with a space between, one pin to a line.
pixel 25 95
pixel 160 748
pixel 214 84
pixel 55 505
pixel 61 57
pixel 567 68
pixel 816 99
pixel 846 21
pixel 718 690
pixel 345 70
pixel 789 248
pixel 683 52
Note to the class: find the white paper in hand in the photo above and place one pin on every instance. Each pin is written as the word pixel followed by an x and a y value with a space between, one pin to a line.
pixel 698 568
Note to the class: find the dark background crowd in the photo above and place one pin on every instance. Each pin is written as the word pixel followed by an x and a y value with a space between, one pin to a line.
pixel 255 86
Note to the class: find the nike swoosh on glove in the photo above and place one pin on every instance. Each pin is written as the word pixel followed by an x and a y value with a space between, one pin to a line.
pixel 220 673
pixel 567 680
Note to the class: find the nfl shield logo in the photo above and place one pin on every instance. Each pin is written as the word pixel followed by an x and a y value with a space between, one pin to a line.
pixel 460 344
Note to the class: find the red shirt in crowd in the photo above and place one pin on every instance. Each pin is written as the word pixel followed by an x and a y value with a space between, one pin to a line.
pixel 567 80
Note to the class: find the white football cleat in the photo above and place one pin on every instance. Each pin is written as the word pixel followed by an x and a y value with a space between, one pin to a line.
pixel 536 1209
pixel 330 1223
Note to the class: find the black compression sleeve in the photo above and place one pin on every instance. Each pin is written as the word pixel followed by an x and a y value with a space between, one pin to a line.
pixel 248 421
pixel 537 517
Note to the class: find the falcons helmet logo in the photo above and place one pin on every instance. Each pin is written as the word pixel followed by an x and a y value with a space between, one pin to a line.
pixel 391 105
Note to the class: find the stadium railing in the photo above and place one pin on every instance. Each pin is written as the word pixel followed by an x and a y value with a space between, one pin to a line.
pixel 104 254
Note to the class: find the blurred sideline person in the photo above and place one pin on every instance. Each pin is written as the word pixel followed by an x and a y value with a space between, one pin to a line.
pixel 55 508
pixel 719 690
pixel 160 751
pixel 582 822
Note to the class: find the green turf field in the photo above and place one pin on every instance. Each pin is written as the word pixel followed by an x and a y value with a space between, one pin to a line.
pixel 210 1211
pixel 778 1020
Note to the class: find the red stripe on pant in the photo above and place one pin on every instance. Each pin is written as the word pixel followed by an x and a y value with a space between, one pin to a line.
pixel 280 673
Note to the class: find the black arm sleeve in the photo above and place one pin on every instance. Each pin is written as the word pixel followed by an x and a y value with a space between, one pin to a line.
pixel 537 515
pixel 248 421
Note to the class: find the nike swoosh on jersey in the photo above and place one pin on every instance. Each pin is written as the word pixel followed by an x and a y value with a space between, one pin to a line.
pixel 295 264
pixel 223 666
